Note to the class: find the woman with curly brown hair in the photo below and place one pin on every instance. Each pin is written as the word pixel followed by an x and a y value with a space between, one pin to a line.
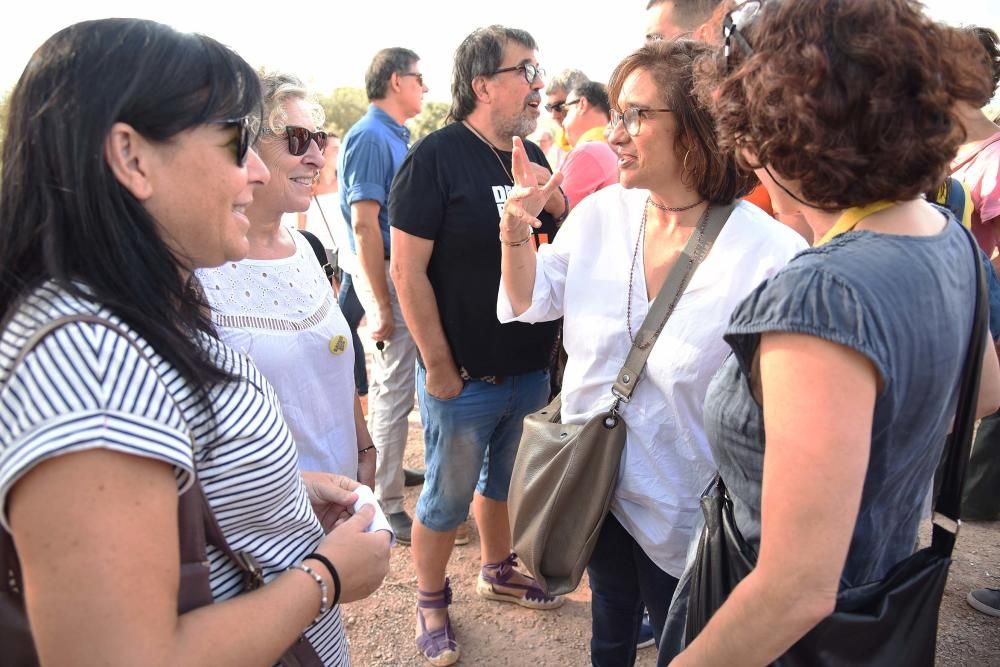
pixel 847 361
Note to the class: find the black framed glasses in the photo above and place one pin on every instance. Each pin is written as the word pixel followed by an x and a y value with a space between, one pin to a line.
pixel 531 72
pixel 556 107
pixel 242 126
pixel 569 103
pixel 418 75
pixel 735 21
pixel 632 118
pixel 299 137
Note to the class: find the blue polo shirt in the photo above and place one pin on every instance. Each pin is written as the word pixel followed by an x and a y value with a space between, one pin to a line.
pixel 370 155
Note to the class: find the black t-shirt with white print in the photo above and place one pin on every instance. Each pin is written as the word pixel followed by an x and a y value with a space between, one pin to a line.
pixel 451 189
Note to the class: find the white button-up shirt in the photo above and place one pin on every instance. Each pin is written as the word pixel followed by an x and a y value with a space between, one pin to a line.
pixel 583 276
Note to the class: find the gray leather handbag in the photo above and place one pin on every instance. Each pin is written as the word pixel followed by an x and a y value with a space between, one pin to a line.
pixel 565 474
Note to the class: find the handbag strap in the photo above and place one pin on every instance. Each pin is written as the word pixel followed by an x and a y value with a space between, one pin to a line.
pixel 947 509
pixel 197 524
pixel 667 298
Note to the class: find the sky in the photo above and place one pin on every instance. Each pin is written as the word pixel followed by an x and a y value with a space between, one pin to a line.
pixel 330 44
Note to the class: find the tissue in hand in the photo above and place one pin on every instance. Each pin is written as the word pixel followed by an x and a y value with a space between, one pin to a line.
pixel 367 497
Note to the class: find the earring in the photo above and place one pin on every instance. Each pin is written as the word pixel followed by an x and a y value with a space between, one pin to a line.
pixel 684 164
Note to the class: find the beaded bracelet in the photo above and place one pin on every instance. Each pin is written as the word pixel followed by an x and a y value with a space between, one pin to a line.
pixel 333 574
pixel 368 448
pixel 324 591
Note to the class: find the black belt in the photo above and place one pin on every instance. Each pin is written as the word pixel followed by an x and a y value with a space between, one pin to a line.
pixel 489 379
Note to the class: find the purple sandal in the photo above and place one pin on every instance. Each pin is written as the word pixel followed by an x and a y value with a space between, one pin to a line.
pixel 499 574
pixel 438 646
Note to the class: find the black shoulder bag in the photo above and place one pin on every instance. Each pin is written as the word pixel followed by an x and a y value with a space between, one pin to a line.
pixel 887 623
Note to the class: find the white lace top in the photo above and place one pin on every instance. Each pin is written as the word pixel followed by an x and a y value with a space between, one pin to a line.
pixel 282 314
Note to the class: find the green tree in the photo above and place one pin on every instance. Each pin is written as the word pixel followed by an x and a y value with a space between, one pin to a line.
pixel 4 106
pixel 430 119
pixel 343 107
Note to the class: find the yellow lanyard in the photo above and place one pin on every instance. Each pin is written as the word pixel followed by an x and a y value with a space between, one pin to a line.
pixel 850 218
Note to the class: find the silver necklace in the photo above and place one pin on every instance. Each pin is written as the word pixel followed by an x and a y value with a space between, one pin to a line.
pixel 699 255
pixel 492 148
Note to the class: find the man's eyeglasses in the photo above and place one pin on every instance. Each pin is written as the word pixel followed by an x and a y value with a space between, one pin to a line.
pixel 420 77
pixel 732 25
pixel 299 137
pixel 531 72
pixel 632 118
pixel 556 107
pixel 242 125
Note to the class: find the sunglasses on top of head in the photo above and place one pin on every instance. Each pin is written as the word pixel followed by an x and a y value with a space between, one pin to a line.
pixel 732 26
pixel 299 137
pixel 243 136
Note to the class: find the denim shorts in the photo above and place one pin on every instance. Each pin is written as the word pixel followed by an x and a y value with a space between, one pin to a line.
pixel 470 442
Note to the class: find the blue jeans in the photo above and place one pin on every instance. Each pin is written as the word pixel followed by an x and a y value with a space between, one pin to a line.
pixel 622 580
pixel 470 442
pixel 353 312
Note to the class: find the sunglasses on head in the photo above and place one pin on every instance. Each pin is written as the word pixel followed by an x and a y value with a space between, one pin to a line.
pixel 299 137
pixel 242 138
pixel 732 25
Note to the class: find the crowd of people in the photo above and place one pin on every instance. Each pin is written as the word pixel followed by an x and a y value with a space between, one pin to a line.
pixel 179 375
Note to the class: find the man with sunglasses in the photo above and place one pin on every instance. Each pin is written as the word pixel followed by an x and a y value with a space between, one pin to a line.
pixel 555 103
pixel 478 378
pixel 370 155
pixel 672 19
pixel 592 164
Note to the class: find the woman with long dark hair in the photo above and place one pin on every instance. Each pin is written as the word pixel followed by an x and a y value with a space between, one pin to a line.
pixel 126 166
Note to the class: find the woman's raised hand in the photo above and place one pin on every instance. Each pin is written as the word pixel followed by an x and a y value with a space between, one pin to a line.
pixel 528 197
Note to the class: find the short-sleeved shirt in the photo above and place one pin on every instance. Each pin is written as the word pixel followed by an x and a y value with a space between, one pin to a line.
pixel 370 155
pixel 904 302
pixel 590 166
pixel 84 386
pixel 451 190
pixel 982 176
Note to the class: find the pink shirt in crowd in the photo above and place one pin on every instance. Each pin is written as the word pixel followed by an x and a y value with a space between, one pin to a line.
pixel 981 175
pixel 590 166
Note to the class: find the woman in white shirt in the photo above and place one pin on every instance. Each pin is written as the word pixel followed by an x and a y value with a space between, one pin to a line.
pixel 277 305
pixel 601 274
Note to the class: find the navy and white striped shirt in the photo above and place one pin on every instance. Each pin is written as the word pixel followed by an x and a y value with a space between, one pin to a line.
pixel 84 386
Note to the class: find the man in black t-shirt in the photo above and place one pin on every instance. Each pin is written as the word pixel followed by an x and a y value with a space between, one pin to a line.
pixel 477 378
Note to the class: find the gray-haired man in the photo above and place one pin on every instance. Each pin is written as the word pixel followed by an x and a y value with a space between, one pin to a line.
pixel 478 378
pixel 370 155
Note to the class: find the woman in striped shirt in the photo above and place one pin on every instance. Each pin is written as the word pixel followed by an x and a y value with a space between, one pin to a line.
pixel 125 168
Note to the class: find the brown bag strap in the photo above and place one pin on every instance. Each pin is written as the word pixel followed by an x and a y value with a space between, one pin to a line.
pixel 667 298
pixel 191 507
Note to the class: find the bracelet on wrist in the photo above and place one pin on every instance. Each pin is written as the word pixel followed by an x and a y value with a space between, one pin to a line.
pixel 368 448
pixel 515 244
pixel 333 574
pixel 323 590
pixel 565 212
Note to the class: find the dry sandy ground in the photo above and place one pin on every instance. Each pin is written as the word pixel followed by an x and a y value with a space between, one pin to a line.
pixel 381 628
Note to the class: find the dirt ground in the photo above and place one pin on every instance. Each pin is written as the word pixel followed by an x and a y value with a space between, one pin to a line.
pixel 381 628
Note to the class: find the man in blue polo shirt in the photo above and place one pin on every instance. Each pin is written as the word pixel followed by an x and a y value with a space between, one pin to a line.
pixel 370 155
